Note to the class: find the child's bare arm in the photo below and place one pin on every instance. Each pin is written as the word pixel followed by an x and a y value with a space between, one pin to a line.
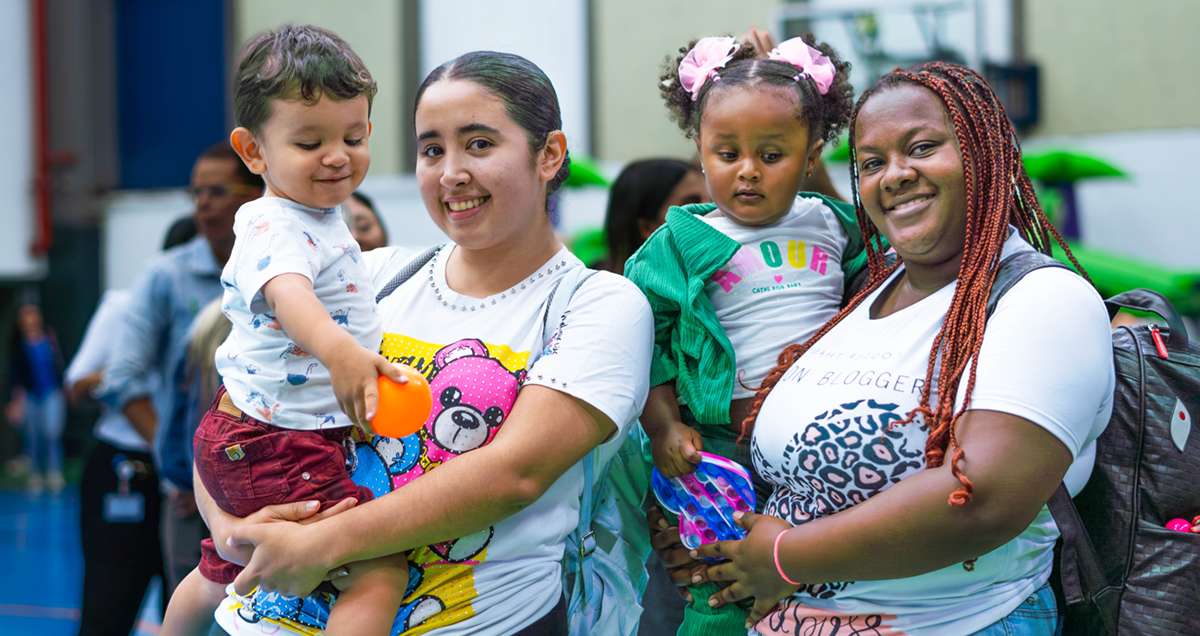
pixel 352 368
pixel 674 445
pixel 371 594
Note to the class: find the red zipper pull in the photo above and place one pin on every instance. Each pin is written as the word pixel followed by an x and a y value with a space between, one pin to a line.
pixel 1158 342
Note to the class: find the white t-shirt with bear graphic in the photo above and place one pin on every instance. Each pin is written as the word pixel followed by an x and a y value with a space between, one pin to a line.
pixel 266 374
pixel 475 353
pixel 779 288
pixel 821 440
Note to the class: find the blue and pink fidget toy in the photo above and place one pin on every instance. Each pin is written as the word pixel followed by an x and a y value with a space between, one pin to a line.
pixel 706 499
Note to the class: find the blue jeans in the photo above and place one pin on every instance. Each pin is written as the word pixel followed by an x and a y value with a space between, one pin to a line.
pixel 1036 616
pixel 45 418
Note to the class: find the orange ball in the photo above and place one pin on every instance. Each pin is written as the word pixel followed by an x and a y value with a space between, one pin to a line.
pixel 403 408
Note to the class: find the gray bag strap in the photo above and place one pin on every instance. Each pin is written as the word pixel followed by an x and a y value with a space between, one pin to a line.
pixel 407 272
pixel 583 537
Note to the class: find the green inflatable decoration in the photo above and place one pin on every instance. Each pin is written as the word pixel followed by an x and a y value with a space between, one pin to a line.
pixel 585 172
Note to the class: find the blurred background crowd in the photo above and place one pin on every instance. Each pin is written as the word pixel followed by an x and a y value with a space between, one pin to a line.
pixel 108 104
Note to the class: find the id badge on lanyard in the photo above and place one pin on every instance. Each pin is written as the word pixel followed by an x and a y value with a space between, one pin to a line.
pixel 123 506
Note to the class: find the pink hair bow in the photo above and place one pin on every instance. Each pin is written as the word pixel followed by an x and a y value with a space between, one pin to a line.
pixel 811 62
pixel 703 60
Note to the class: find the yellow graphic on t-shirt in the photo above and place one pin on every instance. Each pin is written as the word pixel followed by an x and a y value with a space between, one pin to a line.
pixel 420 355
pixel 474 386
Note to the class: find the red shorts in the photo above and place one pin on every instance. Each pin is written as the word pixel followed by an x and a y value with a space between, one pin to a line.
pixel 246 464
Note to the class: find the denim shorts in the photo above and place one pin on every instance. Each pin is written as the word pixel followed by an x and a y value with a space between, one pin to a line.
pixel 1036 616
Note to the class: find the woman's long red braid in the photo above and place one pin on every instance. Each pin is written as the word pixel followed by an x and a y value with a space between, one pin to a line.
pixel 998 194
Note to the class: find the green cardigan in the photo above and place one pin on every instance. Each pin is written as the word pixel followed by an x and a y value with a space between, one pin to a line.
pixel 690 347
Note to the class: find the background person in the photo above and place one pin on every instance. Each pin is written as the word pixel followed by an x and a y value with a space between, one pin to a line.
pixel 486 530
pixel 151 339
pixel 637 205
pixel 936 442
pixel 365 224
pixel 121 548
pixel 639 200
pixel 35 381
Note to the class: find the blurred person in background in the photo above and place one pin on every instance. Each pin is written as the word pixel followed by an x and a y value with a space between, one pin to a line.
pixel 637 205
pixel 119 496
pixel 639 201
pixel 196 382
pixel 122 550
pixel 36 398
pixel 365 224
pixel 152 338
pixel 181 231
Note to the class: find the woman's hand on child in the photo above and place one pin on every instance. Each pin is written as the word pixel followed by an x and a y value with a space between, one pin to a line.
pixel 303 512
pixel 355 375
pixel 280 560
pixel 750 565
pixel 676 449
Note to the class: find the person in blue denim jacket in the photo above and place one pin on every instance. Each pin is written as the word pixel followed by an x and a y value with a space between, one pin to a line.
pixel 152 339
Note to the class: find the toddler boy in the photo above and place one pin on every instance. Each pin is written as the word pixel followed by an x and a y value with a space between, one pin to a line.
pixel 300 366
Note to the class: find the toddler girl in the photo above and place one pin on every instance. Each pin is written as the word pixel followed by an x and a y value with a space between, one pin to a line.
pixel 733 282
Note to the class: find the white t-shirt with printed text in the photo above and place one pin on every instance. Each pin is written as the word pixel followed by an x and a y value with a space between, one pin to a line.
pixel 779 288
pixel 266 374
pixel 476 355
pixel 821 439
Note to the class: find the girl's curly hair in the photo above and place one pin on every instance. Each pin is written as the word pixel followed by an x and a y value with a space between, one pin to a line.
pixel 826 115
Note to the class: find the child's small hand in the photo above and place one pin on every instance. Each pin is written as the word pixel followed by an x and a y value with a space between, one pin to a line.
pixel 676 450
pixel 355 375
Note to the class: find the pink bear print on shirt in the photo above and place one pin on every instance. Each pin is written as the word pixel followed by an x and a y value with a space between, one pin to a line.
pixel 473 394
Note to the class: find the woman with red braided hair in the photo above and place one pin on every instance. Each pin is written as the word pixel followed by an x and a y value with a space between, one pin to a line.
pixel 914 440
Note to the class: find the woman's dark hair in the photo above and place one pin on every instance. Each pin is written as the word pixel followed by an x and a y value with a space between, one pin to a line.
pixel 525 90
pixel 296 61
pixel 638 193
pixel 999 193
pixel 825 115
pixel 370 203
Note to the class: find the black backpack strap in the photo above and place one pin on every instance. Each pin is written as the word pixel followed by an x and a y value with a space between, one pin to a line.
pixel 1080 577
pixel 1081 574
pixel 1012 269
pixel 407 272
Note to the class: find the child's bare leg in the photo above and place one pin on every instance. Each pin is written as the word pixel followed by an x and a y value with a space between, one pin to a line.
pixel 370 597
pixel 192 606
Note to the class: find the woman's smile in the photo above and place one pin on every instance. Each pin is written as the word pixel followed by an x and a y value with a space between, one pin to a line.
pixel 465 205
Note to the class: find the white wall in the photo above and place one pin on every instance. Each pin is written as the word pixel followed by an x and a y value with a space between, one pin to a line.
pixel 16 163
pixel 135 222
pixel 373 28
pixel 549 33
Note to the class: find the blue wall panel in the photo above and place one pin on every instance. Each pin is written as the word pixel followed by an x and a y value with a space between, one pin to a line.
pixel 171 87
